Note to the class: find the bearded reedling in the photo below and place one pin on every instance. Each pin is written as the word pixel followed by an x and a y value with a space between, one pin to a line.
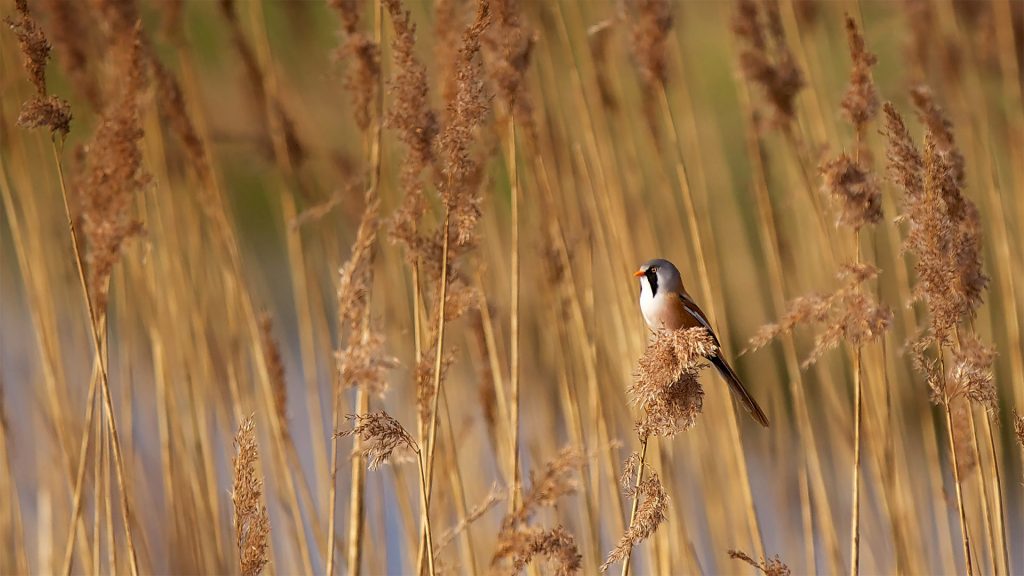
pixel 666 305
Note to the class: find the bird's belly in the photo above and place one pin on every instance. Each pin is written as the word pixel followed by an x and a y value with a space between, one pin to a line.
pixel 661 312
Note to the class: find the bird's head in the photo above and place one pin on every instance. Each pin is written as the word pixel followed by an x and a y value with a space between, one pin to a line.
pixel 661 275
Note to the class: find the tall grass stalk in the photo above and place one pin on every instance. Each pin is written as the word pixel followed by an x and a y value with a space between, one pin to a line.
pixel 95 329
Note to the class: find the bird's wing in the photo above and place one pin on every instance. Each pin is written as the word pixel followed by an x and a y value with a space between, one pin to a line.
pixel 696 316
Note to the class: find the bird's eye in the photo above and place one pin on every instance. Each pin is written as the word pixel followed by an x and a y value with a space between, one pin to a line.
pixel 654 268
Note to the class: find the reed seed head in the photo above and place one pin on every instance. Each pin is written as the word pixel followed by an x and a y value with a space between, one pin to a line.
pixel 768 567
pixel 113 172
pixel 860 104
pixel 666 383
pixel 252 522
pixel 765 59
pixel 854 188
pixel 385 438
pixel 651 513
pixel 848 314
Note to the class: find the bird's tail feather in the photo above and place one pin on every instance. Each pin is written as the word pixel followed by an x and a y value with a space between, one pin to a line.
pixel 748 402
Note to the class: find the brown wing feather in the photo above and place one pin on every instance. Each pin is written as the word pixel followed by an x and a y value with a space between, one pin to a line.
pixel 694 317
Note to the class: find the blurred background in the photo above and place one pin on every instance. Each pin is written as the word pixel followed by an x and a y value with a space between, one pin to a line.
pixel 220 160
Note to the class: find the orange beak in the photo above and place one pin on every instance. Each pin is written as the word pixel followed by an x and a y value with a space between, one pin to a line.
pixel 639 273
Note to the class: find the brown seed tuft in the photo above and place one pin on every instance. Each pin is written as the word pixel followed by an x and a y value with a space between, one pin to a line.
pixel 665 383
pixel 768 567
pixel 519 542
pixel 971 375
pixel 766 60
pixel 35 48
pixel 49 111
pixel 848 314
pixel 1018 428
pixel 71 34
pixel 275 368
pixel 384 438
pixel 652 511
pixel 855 189
pixel 39 110
pixel 650 25
pixel 860 104
pixel 461 171
pixel 252 522
pixel 113 172
pixel 362 362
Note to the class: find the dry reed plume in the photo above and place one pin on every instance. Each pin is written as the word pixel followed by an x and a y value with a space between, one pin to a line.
pixel 423 215
pixel 251 520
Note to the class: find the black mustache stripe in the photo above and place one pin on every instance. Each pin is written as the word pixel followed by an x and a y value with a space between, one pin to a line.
pixel 652 278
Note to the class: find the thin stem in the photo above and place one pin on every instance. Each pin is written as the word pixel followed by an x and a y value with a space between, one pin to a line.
pixel 105 385
pixel 858 398
pixel 514 327
pixel 425 517
pixel 438 361
pixel 956 465
pixel 636 499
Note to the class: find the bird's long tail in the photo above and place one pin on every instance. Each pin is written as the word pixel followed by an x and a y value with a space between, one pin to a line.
pixel 748 402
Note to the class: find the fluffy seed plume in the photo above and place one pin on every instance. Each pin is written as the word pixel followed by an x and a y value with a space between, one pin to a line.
pixel 494 496
pixel 665 382
pixel 39 110
pixel 1018 428
pixel 650 25
pixel 70 33
pixel 766 60
pixel 362 361
pixel 860 104
pixel 461 171
pixel 767 566
pixel 252 522
pixel 943 225
pixel 971 376
pixel 113 172
pixel 363 58
pixel 416 126
pixel 275 368
pixel 854 188
pixel 519 542
pixel 848 314
pixel 384 438
pixel 653 510
pixel 526 543
pixel 508 44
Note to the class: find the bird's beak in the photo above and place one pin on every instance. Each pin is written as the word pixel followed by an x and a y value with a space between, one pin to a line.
pixel 639 273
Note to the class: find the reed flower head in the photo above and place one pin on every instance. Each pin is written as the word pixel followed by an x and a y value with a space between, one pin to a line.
pixel 71 34
pixel 252 522
pixel 650 26
pixel 665 383
pixel 848 314
pixel 970 375
pixel 39 110
pixel 765 59
pixel 113 172
pixel 385 438
pixel 363 58
pixel 860 104
pixel 275 368
pixel 519 542
pixel 767 566
pixel 855 189
pixel 651 513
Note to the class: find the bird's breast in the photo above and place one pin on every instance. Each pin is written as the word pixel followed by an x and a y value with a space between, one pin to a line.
pixel 662 310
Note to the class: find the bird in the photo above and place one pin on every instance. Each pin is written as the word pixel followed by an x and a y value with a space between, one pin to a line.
pixel 665 303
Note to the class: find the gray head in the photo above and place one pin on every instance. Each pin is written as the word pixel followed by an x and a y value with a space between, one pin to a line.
pixel 662 275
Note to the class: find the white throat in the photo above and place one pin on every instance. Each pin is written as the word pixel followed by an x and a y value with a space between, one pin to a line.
pixel 651 305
